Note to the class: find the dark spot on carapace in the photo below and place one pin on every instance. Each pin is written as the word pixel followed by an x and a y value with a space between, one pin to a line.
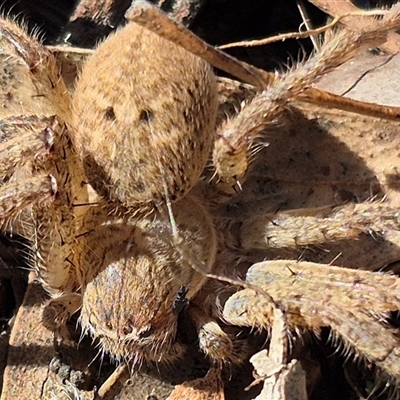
pixel 146 116
pixel 98 178
pixel 191 144
pixel 187 117
pixel 109 113
pixel 139 186
pixel 109 325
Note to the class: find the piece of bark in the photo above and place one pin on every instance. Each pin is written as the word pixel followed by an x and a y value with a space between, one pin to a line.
pixel 30 372
pixel 30 350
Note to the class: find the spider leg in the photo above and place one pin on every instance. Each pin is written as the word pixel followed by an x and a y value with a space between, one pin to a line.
pixel 310 227
pixel 17 196
pixel 39 166
pixel 41 91
pixel 240 138
pixel 54 174
pixel 58 311
pixel 23 139
pixel 26 141
pixel 222 346
pixel 354 303
pixel 42 185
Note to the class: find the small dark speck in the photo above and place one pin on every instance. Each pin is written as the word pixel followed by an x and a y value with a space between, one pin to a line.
pixel 325 170
pixel 180 301
pixel 376 51
pixel 110 114
pixel 127 329
pixel 345 196
pixel 146 116
pixel 109 325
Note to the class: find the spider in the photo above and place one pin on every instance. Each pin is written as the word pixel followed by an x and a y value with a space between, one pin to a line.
pixel 122 212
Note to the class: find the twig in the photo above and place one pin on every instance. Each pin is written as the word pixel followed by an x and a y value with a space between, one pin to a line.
pixel 306 22
pixel 108 385
pixel 295 35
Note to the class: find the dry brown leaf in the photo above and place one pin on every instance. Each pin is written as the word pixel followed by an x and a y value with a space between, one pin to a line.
pixel 210 387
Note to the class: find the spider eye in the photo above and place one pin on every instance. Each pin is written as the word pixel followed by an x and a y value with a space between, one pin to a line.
pixel 127 329
pixel 145 332
pixel 109 325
